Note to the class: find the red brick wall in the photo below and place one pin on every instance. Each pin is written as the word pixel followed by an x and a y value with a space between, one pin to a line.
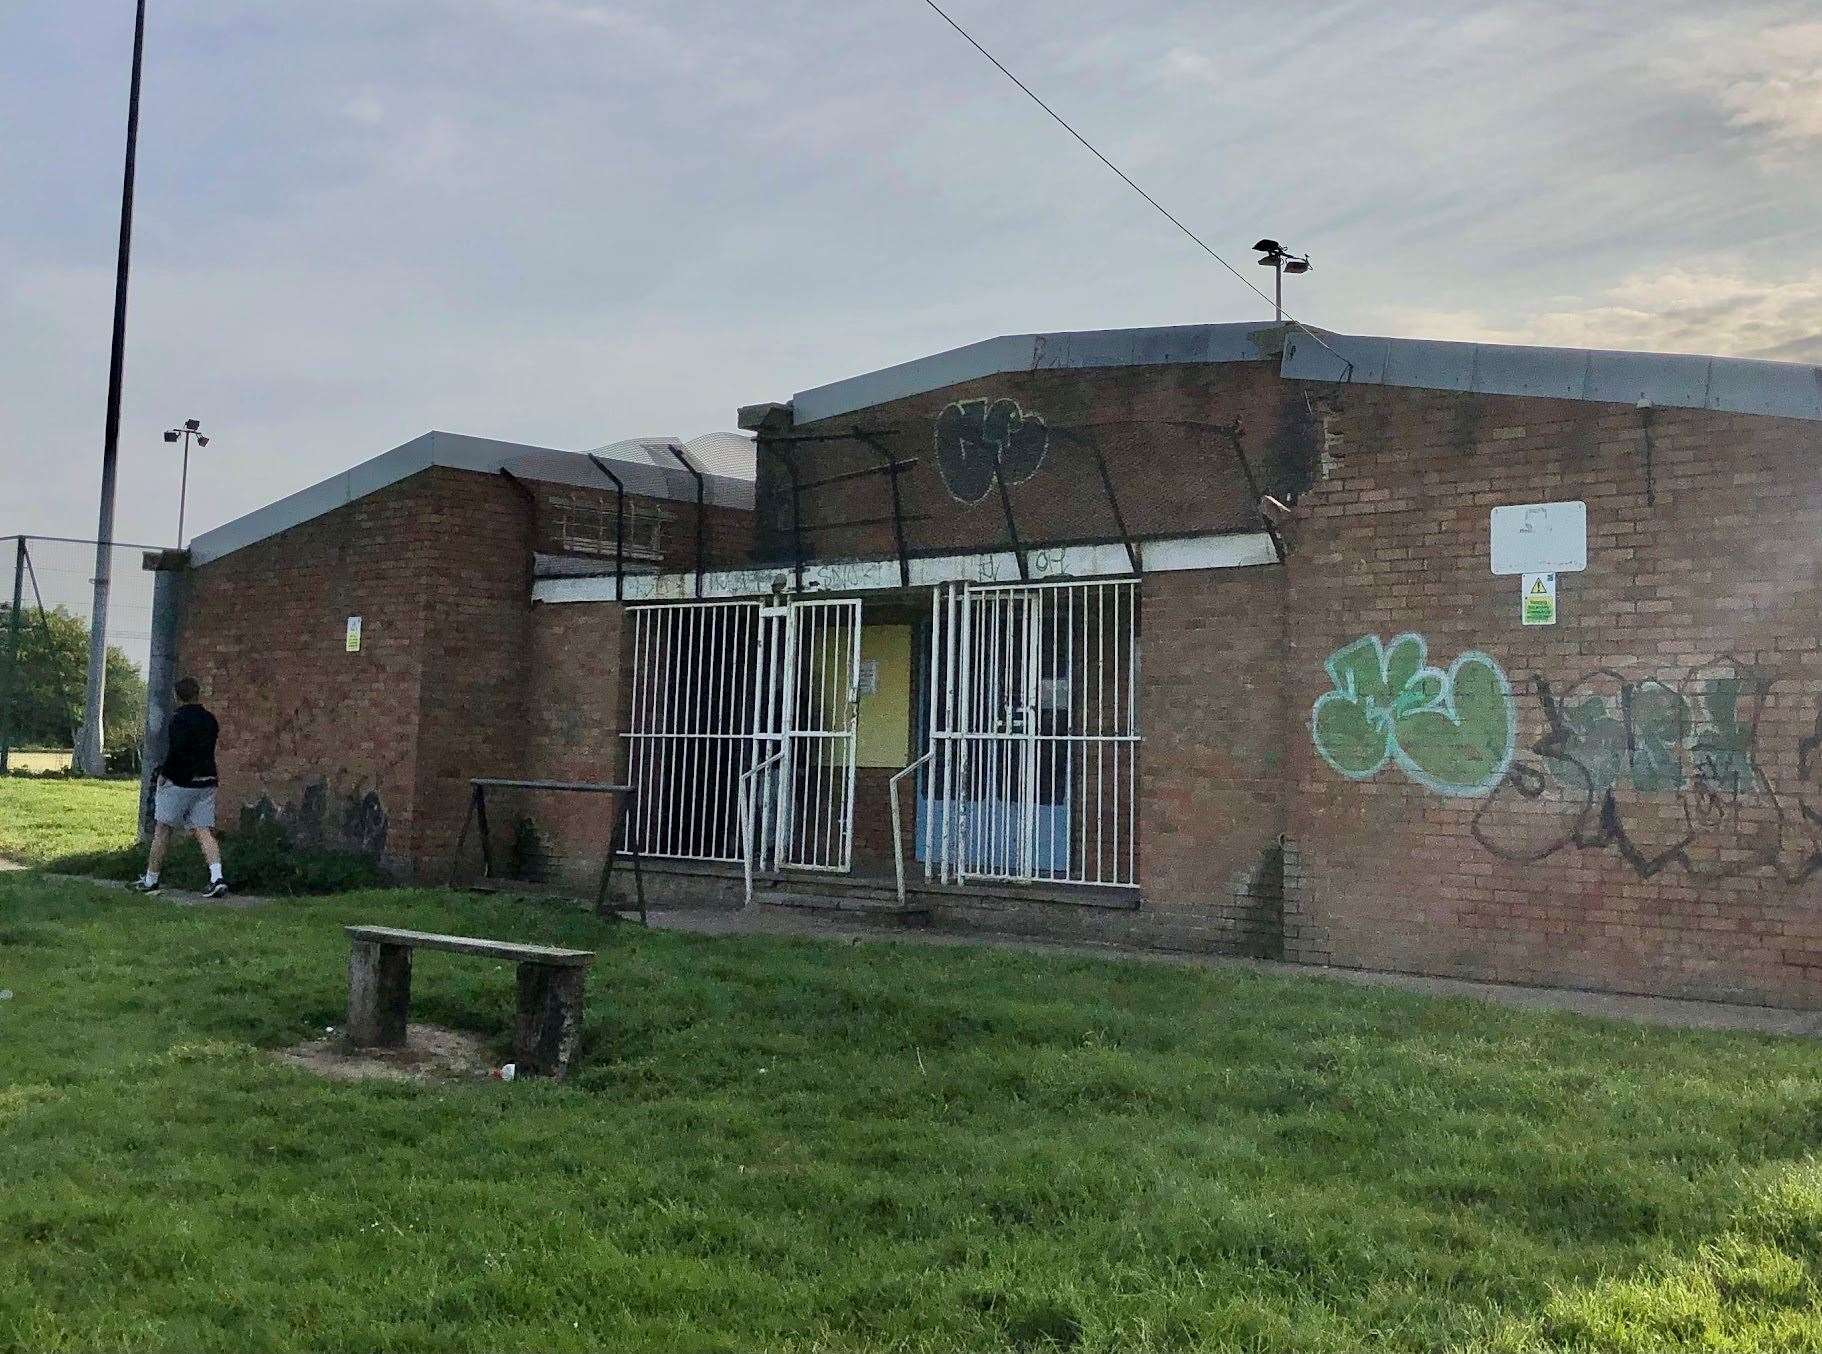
pixel 1692 876
pixel 1656 825
pixel 457 675
pixel 873 850
pixel 474 548
pixel 575 707
pixel 263 630
pixel 1160 429
pixel 1213 776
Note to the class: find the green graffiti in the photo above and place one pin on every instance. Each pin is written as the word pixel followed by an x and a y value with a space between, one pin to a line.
pixel 1723 749
pixel 1660 724
pixel 1641 741
pixel 1451 731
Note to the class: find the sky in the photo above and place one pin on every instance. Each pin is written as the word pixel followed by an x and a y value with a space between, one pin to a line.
pixel 567 222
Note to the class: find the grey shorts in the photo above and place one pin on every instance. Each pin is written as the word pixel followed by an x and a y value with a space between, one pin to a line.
pixel 181 806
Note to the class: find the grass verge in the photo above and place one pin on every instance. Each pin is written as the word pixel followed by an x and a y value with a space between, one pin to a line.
pixel 44 817
pixel 790 1145
pixel 89 827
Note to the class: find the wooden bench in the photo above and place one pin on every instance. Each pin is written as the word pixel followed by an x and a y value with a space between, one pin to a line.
pixel 550 992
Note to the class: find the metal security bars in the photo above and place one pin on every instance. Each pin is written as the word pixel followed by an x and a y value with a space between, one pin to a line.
pixel 815 794
pixel 1034 727
pixel 697 683
pixel 726 691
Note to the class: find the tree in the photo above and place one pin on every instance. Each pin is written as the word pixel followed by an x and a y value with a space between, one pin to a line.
pixel 41 699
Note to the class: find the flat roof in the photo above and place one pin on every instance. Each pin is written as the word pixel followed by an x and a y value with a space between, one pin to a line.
pixel 460 452
pixel 1672 380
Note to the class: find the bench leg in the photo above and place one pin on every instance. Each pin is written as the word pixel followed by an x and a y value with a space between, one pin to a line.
pixel 379 989
pixel 550 1019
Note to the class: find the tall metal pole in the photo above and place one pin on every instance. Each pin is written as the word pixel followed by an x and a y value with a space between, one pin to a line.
pixel 183 488
pixel 88 754
pixel 10 715
pixel 1277 290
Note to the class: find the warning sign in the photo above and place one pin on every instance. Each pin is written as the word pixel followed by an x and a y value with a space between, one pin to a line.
pixel 1539 599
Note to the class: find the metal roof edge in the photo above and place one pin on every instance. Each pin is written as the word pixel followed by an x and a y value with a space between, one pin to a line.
pixel 1674 380
pixel 1069 349
pixel 457 451
pixel 1740 385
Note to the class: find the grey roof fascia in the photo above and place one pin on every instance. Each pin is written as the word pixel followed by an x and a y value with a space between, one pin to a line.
pixel 1039 352
pixel 1673 380
pixel 458 451
pixel 389 467
pixel 1740 385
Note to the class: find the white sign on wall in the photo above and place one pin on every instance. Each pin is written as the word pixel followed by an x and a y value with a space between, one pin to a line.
pixel 1540 538
pixel 353 640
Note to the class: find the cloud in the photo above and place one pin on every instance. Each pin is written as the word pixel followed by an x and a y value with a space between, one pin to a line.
pixel 1768 82
pixel 1797 350
pixel 1183 63
pixel 1727 313
pixel 364 108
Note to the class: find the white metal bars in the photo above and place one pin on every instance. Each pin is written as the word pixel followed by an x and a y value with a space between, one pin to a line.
pixel 815 793
pixel 1034 720
pixel 722 690
pixel 699 683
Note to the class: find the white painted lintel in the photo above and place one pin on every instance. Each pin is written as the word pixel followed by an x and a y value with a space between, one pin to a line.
pixel 1178 554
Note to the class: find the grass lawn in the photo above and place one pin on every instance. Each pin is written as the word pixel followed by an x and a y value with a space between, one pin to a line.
pixel 791 1145
pixel 42 818
pixel 90 827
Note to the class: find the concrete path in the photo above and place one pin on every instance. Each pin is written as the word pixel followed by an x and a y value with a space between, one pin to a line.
pixel 184 898
pixel 1691 1015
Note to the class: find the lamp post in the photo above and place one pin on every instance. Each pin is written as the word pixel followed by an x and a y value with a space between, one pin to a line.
pixel 89 760
pixel 1281 261
pixel 192 428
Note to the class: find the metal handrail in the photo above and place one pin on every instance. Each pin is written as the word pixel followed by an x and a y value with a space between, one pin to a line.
pixel 898 831
pixel 747 805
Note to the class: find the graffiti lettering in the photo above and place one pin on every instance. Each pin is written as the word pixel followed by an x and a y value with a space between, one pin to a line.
pixel 1451 731
pixel 974 437
pixel 1663 773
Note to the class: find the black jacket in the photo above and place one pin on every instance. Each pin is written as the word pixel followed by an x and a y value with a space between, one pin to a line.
pixel 189 759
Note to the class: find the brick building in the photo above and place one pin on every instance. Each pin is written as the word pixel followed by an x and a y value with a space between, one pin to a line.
pixel 1184 638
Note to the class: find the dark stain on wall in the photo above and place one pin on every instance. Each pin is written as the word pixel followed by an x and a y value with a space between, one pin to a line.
pixel 1294 450
pixel 353 822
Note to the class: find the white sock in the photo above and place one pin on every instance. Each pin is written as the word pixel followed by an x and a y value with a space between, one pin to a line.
pixel 151 878
pixel 215 873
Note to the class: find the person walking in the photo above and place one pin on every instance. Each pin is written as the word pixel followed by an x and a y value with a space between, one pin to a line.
pixel 185 795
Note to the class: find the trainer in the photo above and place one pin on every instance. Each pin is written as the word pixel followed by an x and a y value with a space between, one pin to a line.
pixel 185 797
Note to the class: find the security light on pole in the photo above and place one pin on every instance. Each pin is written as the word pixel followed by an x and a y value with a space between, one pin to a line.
pixel 1281 261
pixel 191 429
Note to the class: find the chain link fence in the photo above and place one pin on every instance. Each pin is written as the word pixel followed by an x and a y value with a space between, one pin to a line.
pixel 46 602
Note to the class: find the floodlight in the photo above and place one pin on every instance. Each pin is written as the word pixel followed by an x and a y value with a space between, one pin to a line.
pixel 1281 261
pixel 201 441
pixel 192 423
pixel 170 435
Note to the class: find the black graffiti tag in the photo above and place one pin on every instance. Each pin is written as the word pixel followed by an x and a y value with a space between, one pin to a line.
pixel 1662 773
pixel 976 437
